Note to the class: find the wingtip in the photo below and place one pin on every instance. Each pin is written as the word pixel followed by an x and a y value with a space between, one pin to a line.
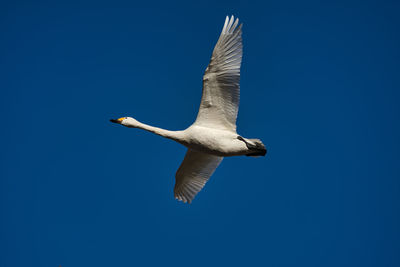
pixel 232 17
pixel 183 198
pixel 225 24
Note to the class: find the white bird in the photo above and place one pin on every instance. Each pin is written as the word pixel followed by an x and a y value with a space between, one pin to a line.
pixel 213 135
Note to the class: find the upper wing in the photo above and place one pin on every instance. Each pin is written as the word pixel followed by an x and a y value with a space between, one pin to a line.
pixel 220 100
pixel 193 174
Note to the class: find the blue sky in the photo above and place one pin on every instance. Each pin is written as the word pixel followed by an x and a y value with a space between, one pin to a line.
pixel 320 86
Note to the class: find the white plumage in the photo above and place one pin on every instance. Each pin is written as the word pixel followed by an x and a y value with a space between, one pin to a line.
pixel 213 135
pixel 220 101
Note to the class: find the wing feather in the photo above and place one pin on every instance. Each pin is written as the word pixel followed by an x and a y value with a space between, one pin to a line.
pixel 193 174
pixel 221 92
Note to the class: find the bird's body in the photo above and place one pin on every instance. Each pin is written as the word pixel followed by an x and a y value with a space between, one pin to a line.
pixel 213 135
pixel 216 142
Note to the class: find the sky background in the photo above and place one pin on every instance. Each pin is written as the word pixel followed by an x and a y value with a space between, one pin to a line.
pixel 320 86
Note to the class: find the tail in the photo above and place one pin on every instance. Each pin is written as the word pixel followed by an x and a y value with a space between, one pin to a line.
pixel 255 146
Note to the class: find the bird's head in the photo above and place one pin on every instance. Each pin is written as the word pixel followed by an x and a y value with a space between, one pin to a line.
pixel 126 121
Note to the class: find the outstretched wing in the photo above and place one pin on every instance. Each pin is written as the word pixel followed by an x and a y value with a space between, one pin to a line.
pixel 221 92
pixel 193 174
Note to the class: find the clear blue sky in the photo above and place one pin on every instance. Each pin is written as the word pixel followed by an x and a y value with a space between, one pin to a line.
pixel 320 86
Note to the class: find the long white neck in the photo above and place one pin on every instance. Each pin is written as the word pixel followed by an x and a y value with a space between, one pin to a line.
pixel 174 135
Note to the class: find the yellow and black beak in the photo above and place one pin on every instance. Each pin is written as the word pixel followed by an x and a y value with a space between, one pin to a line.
pixel 117 121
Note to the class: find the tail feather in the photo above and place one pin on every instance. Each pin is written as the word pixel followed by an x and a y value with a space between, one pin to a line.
pixel 255 146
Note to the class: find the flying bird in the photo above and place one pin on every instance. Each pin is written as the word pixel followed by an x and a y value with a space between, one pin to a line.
pixel 213 135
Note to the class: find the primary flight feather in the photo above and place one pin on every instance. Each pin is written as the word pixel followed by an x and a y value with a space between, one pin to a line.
pixel 213 135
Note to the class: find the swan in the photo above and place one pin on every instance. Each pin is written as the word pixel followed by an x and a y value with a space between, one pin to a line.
pixel 213 135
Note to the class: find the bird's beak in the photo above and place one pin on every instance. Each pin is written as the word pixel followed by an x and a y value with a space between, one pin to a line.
pixel 117 121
